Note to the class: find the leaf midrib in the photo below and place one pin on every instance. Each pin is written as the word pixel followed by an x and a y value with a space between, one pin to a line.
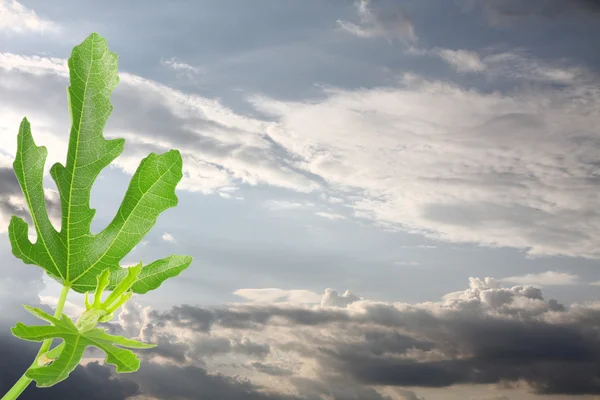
pixel 71 356
pixel 70 206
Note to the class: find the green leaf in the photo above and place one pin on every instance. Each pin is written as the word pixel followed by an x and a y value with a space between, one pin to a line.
pixel 152 275
pixel 74 256
pixel 29 169
pixel 73 347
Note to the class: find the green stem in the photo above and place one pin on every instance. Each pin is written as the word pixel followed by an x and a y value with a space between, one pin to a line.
pixel 24 381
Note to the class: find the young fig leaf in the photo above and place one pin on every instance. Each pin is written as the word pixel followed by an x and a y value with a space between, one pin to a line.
pixel 74 256
pixel 73 347
pixel 152 275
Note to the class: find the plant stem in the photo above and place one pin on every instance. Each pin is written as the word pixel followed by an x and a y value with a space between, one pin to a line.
pixel 24 381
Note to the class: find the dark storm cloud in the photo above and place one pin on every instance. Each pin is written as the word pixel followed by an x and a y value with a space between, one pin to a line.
pixel 9 186
pixel 165 348
pixel 553 359
pixel 97 382
pixel 484 335
pixel 93 381
pixel 270 369
pixel 168 382
pixel 335 388
pixel 479 349
pixel 19 284
pixel 8 182
pixel 252 349
pixel 252 317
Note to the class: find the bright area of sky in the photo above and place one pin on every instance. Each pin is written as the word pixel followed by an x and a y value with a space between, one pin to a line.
pixel 442 154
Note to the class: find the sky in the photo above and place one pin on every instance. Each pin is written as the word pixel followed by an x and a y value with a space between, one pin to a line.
pixel 384 199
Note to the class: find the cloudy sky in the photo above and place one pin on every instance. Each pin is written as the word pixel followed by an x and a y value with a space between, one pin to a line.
pixel 384 199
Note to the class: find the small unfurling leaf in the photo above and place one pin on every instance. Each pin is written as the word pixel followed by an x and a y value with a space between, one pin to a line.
pixel 75 341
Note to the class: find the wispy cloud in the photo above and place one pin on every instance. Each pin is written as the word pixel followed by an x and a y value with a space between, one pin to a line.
pixel 548 278
pixel 333 200
pixel 380 18
pixel 179 66
pixel 520 66
pixel 332 216
pixel 287 205
pixel 35 65
pixel 463 60
pixel 510 66
pixel 511 168
pixel 167 237
pixel 15 18
pixel 221 149
pixel 274 295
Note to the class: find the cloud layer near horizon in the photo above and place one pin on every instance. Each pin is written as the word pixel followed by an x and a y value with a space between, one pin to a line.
pixel 283 346
pixel 484 335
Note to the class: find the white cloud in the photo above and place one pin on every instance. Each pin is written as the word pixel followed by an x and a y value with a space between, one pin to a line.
pixel 463 60
pixel 277 205
pixel 515 65
pixel 35 65
pixel 167 237
pixel 335 200
pixel 513 168
pixel 221 150
pixel 180 66
pixel 489 296
pixel 275 295
pixel 71 309
pixel 548 278
pixel 129 264
pixel 16 18
pixel 332 216
pixel 132 317
pixel 379 18
pixel 229 151
pixel 332 298
pixel 518 65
